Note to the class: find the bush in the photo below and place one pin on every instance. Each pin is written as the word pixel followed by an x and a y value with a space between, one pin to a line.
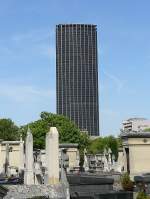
pixel 126 182
pixel 142 195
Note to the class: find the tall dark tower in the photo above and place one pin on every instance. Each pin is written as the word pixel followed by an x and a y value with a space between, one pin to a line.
pixel 77 75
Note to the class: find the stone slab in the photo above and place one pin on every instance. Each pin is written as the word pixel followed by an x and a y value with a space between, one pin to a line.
pixel 111 195
pixel 89 180
pixel 32 191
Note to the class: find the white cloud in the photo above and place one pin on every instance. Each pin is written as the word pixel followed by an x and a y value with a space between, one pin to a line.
pixel 120 85
pixel 110 113
pixel 46 50
pixel 38 42
pixel 32 35
pixel 25 93
pixel 23 103
pixel 118 82
pixel 110 121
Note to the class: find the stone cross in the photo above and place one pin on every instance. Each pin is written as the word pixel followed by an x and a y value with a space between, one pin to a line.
pixel 52 156
pixel 29 176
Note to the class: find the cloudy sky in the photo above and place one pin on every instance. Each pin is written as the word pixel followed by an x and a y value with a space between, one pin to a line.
pixel 27 57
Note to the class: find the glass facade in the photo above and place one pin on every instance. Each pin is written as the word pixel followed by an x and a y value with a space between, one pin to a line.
pixel 77 75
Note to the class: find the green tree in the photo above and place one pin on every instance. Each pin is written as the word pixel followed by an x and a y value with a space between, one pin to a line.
pixel 112 143
pixel 142 195
pixel 147 130
pixel 68 131
pixel 98 145
pixel 8 130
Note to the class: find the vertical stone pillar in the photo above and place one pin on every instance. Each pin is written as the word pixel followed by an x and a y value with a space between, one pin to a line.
pixel 29 176
pixel 86 163
pixel 109 159
pixel 1 162
pixel 105 160
pixel 21 166
pixel 52 156
pixel 7 160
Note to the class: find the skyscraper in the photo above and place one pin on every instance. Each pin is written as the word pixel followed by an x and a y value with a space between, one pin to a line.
pixel 77 75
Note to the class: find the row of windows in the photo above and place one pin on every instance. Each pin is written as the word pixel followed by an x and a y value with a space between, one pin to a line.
pixel 76 42
pixel 71 54
pixel 76 86
pixel 84 45
pixel 70 34
pixel 88 50
pixel 75 75
pixel 76 39
pixel 74 31
pixel 77 90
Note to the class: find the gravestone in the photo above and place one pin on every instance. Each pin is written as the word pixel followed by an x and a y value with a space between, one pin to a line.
pixel 52 156
pixel 21 167
pixel 29 176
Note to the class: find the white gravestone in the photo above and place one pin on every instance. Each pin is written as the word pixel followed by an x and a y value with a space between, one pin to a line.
pixel 52 156
pixel 21 167
pixel 29 175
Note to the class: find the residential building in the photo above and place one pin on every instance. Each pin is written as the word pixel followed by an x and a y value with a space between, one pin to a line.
pixel 135 124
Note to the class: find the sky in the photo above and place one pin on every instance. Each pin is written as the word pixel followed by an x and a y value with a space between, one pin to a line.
pixel 27 57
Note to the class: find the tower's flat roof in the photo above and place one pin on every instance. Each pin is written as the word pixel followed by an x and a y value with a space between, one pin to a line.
pixel 75 24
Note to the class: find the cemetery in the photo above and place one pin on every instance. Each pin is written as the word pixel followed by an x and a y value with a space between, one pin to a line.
pixel 55 172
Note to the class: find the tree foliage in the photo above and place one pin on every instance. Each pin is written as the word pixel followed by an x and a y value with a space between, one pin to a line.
pixel 8 130
pixel 147 130
pixel 142 195
pixel 68 131
pixel 98 145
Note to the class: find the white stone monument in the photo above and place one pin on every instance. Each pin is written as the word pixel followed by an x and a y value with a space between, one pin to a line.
pixel 109 159
pixel 21 167
pixel 52 156
pixel 86 164
pixel 29 175
pixel 106 166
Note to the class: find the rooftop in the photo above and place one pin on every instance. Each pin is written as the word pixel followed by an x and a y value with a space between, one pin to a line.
pixel 75 24
pixel 134 119
pixel 134 134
